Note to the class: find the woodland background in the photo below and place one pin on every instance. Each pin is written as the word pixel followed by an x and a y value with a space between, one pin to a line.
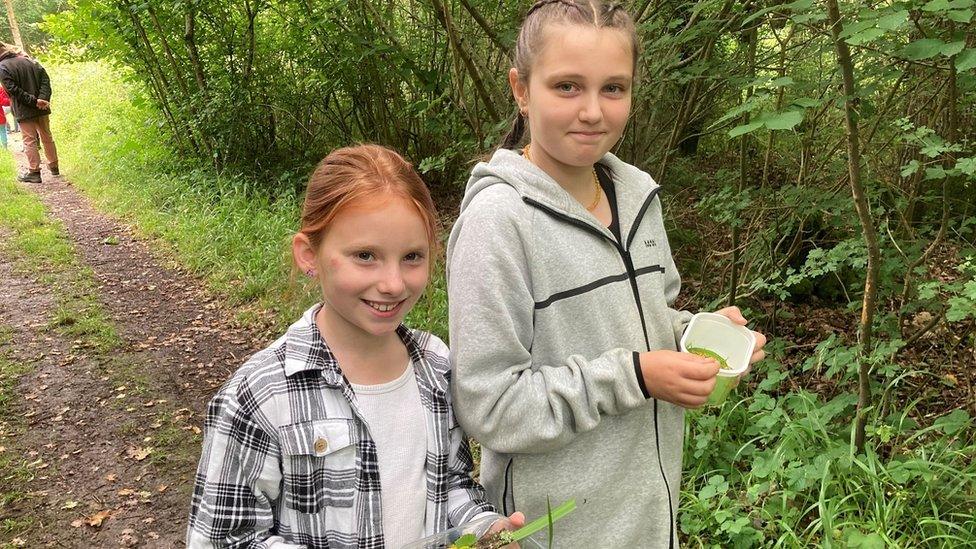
pixel 818 166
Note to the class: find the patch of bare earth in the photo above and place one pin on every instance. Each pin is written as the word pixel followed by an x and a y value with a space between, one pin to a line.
pixel 111 439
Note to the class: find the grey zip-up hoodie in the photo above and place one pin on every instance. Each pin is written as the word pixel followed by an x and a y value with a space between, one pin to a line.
pixel 547 313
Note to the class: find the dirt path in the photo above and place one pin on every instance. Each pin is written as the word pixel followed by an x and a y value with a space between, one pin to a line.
pixel 106 444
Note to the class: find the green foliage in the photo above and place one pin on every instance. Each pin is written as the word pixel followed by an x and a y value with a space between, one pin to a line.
pixel 775 468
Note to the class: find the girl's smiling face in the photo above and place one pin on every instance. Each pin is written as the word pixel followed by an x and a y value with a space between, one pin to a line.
pixel 373 265
pixel 578 94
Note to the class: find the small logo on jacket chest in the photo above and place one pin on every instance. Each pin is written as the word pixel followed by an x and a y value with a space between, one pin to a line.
pixel 650 243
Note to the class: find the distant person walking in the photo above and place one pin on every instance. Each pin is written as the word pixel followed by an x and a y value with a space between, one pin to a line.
pixel 29 88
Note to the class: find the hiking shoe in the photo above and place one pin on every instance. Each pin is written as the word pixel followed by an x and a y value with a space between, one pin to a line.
pixel 55 171
pixel 30 177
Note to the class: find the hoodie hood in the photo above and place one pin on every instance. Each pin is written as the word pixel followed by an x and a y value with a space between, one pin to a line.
pixel 633 187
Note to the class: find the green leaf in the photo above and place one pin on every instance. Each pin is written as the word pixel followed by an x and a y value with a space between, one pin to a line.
pixel 967 165
pixel 745 128
pixel 893 21
pixel 966 60
pixel 806 102
pixel 953 48
pixel 858 26
pixel 922 49
pixel 960 308
pixel 910 168
pixel 954 422
pixel 856 539
pixel 784 120
pixel 466 540
pixel 943 5
pixel 799 6
pixel 936 5
pixel 934 173
pixel 866 36
pixel 781 81
pixel 960 16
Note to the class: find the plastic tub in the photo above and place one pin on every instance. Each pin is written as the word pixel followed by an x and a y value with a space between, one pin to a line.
pixel 731 341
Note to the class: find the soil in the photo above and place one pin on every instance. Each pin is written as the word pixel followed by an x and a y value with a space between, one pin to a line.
pixel 110 440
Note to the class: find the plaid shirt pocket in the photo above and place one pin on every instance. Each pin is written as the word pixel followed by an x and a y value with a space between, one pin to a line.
pixel 318 464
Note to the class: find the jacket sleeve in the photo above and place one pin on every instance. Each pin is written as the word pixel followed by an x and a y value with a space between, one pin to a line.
pixel 238 480
pixel 501 398
pixel 44 83
pixel 14 90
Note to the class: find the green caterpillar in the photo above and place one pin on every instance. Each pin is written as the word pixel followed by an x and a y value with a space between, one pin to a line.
pixel 709 354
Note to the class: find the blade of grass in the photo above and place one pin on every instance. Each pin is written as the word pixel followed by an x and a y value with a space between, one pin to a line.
pixel 542 522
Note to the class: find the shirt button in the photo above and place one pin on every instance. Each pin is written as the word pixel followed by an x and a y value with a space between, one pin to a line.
pixel 321 445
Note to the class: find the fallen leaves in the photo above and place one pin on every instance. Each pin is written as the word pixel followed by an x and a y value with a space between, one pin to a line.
pixel 138 454
pixel 95 520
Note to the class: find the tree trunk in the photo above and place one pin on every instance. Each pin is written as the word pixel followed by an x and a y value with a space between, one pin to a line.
pixel 14 27
pixel 189 37
pixel 440 10
pixel 864 215
pixel 744 162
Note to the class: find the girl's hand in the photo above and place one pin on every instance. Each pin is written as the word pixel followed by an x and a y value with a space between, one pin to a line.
pixel 735 315
pixel 514 521
pixel 679 378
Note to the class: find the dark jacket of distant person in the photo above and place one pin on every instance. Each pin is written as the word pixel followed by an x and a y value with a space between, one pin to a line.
pixel 26 81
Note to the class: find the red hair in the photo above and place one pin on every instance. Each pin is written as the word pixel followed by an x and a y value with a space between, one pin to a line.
pixel 351 174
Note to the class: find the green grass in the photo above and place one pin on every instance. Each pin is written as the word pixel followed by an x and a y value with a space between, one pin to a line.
pixel 41 247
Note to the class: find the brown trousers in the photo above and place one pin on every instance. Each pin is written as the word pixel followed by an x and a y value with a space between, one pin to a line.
pixel 39 129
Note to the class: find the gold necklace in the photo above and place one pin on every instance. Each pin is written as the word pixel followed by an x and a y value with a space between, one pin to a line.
pixel 596 182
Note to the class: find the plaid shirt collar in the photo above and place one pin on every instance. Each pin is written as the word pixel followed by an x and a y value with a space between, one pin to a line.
pixel 306 349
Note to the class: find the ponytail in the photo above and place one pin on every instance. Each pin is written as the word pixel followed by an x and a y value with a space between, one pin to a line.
pixel 514 136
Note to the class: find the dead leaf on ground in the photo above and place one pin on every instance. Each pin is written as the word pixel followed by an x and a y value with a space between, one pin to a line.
pixel 98 518
pixel 139 454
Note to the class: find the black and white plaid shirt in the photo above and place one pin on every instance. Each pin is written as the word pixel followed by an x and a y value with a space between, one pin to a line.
pixel 288 460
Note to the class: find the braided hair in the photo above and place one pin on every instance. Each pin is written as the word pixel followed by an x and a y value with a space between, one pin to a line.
pixel 597 13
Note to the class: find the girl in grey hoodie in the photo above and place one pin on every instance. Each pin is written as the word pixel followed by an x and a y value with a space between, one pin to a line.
pixel 561 285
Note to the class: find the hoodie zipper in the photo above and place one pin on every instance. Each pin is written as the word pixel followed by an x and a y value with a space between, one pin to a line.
pixel 632 275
